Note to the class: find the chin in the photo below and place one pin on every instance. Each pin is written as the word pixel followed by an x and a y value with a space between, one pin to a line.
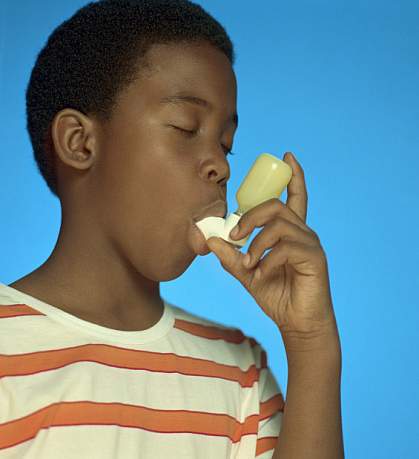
pixel 173 268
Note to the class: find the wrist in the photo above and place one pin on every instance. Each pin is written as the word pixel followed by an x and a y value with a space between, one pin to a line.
pixel 324 341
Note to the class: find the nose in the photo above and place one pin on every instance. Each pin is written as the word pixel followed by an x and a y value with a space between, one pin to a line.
pixel 216 169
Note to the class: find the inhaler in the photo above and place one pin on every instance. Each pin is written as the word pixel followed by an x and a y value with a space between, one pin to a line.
pixel 267 178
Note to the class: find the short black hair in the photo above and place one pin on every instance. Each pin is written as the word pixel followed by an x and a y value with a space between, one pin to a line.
pixel 96 53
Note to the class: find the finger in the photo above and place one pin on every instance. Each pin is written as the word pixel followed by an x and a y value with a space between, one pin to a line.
pixel 230 258
pixel 263 213
pixel 296 190
pixel 272 233
pixel 301 257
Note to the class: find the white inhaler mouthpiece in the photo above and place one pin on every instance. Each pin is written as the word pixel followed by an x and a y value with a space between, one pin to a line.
pixel 266 179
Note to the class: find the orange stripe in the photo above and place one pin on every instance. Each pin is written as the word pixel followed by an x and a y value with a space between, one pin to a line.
pixel 265 444
pixel 235 336
pixel 64 414
pixel 16 310
pixel 36 362
pixel 271 406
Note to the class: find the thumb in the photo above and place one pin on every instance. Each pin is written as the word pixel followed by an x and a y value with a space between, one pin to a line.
pixel 230 257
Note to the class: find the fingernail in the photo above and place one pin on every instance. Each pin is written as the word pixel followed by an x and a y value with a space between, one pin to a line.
pixel 235 231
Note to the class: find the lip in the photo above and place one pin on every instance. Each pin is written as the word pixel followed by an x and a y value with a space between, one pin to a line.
pixel 215 209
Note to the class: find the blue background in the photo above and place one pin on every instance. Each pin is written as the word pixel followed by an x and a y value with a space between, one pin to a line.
pixel 335 82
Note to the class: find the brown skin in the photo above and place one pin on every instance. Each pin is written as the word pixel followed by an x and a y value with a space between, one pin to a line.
pixel 130 188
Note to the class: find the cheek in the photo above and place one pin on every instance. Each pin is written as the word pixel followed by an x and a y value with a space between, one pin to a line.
pixel 148 187
pixel 148 203
pixel 157 243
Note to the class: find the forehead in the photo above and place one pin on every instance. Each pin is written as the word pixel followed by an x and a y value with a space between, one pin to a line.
pixel 200 70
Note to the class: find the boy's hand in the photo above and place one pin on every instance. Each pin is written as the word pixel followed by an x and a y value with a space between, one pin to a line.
pixel 293 288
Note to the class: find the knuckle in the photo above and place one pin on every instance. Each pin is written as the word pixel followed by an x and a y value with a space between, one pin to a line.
pixel 252 252
pixel 315 236
pixel 278 204
pixel 242 223
pixel 322 259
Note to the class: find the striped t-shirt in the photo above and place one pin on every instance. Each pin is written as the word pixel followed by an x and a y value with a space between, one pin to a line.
pixel 187 387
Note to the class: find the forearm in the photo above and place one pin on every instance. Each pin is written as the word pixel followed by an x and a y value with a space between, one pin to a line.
pixel 312 425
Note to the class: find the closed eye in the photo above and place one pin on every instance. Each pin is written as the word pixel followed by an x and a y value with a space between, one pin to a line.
pixel 227 150
pixel 185 130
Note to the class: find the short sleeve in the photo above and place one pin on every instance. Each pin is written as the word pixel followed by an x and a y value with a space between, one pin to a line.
pixel 271 406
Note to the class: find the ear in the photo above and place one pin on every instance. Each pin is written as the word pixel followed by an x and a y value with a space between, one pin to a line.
pixel 74 138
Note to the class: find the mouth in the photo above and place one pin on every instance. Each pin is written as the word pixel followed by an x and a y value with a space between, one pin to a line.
pixel 215 209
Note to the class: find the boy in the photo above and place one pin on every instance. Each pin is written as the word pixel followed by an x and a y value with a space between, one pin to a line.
pixel 131 112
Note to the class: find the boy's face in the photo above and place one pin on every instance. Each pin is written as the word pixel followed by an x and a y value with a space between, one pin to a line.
pixel 150 179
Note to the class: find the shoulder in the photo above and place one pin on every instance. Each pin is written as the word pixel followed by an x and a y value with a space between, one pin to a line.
pixel 222 341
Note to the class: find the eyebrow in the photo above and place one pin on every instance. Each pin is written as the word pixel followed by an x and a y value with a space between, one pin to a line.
pixel 176 98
